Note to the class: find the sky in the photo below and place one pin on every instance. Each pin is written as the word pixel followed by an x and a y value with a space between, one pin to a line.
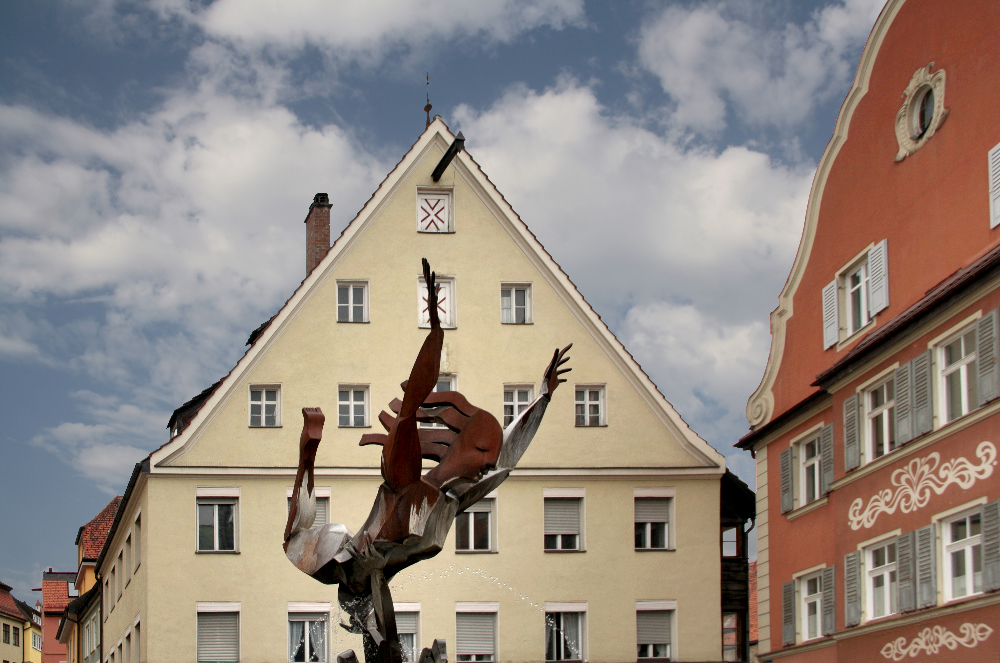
pixel 157 159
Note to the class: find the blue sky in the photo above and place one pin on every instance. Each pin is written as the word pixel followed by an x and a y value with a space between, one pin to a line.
pixel 157 159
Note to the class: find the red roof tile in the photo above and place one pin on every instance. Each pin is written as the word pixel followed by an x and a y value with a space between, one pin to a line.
pixel 93 534
pixel 8 605
pixel 753 601
pixel 55 591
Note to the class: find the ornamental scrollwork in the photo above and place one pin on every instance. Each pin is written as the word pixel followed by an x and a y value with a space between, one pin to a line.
pixel 933 638
pixel 909 138
pixel 913 483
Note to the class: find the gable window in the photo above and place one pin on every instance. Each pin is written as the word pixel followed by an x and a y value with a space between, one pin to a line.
pixel 963 563
pixel 217 519
pixel 515 400
pixel 476 633
pixel 446 302
pixel 307 636
pixel 434 213
pixel 265 410
pixel 352 301
pixel 474 527
pixel 856 295
pixel 652 518
pixel 589 406
pixel 565 632
pixel 881 583
pixel 352 406
pixel 563 508
pixel 653 634
pixel 515 304
pixel 218 633
pixel 408 628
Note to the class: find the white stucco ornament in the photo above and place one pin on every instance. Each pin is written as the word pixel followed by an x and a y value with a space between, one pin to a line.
pixel 933 638
pixel 912 484
pixel 914 127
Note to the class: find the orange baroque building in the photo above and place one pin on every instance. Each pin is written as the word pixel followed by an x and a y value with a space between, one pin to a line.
pixel 875 427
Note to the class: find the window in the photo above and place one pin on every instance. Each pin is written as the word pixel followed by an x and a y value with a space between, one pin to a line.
pixel 127 658
pixel 352 406
pixel 17 637
pixel 515 304
pixel 589 406
pixel 562 522
pixel 120 574
pixel 217 520
pixel 446 301
pixel 732 636
pixel 993 165
pixel 732 542
pixel 564 633
pixel 6 634
pixel 218 633
pixel 515 400
pixel 434 211
pixel 880 430
pixel 957 359
pixel 322 504
pixel 136 652
pixel 653 634
pixel 880 561
pixel 108 605
pixel 811 591
pixel 128 558
pixel 475 635
pixel 408 628
pixel 137 541
pixel 86 639
pixel 352 302
pixel 114 584
pixel 36 641
pixel 963 556
pixel 809 462
pixel 922 111
pixel 265 408
pixel 652 518
pixel 856 295
pixel 96 632
pixel 444 383
pixel 473 527
pixel 307 637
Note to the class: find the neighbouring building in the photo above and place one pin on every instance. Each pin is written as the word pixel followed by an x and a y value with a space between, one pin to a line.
pixel 875 427
pixel 20 629
pixel 57 588
pixel 620 535
pixel 79 627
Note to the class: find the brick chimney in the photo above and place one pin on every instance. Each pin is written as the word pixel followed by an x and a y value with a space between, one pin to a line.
pixel 317 231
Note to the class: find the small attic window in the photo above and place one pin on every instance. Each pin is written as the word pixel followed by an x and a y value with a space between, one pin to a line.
pixel 434 211
pixel 922 112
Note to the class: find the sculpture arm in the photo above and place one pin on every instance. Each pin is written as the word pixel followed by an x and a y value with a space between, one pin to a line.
pixel 303 507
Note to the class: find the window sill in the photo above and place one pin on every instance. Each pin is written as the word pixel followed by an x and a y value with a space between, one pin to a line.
pixel 600 426
pixel 353 322
pixel 435 232
pixel 656 550
pixel 551 550
pixel 856 336
pixel 516 324
pixel 476 552
pixel 366 426
pixel 263 427
pixel 217 552
pixel 803 510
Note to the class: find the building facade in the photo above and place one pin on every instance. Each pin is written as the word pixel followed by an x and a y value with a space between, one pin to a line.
pixel 875 427
pixel 57 587
pixel 606 543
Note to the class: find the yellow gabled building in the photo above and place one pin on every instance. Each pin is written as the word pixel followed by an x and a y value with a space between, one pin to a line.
pixel 605 543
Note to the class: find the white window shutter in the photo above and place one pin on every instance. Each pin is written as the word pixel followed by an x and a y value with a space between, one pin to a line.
pixel 878 278
pixel 831 324
pixel 994 164
pixel 652 627
pixel 475 633
pixel 406 622
pixel 652 509
pixel 218 636
pixel 562 515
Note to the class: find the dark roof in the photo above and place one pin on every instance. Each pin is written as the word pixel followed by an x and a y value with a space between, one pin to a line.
pixel 748 440
pixel 140 468
pixel 255 334
pixel 736 497
pixel 76 607
pixel 93 534
pixel 185 413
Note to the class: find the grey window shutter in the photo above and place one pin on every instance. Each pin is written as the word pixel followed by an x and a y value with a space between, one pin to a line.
pixel 921 401
pixel 562 515
pixel 903 411
pixel 219 636
pixel 994 166
pixel 787 497
pixel 905 572
pixel 484 505
pixel 852 589
pixel 826 458
pixel 829 600
pixel 652 627
pixel 322 506
pixel 878 278
pixel 652 509
pixel 788 613
pixel 991 546
pixel 406 622
pixel 831 325
pixel 475 632
pixel 852 438
pixel 986 358
pixel 926 567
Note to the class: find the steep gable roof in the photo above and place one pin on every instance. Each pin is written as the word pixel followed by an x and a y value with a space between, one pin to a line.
pixel 438 135
pixel 8 604
pixel 92 535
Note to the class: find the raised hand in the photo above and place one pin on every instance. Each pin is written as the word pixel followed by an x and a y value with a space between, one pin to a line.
pixel 432 294
pixel 552 375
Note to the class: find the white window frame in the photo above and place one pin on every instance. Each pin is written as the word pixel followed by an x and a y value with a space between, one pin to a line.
pixel 508 312
pixel 664 493
pixel 587 402
pixel 137 541
pixel 886 572
pixel 219 606
pixel 660 606
pixel 516 407
pixel 578 494
pixel 805 466
pixel 351 403
pixel 804 600
pixel 309 608
pixel 966 374
pixel 263 389
pixel 350 286
pixel 36 641
pixel 410 607
pixel 479 607
pixel 320 493
pixel 120 576
pixel 882 415
pixel 967 547
pixel 491 527
pixel 448 313
pixel 128 557
pixel 859 293
pixel 215 496
pixel 447 216
pixel 578 608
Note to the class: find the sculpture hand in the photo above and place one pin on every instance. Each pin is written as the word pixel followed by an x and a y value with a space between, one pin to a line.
pixel 552 377
pixel 432 295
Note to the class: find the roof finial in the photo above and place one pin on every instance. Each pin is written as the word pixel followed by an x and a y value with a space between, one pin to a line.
pixel 427 108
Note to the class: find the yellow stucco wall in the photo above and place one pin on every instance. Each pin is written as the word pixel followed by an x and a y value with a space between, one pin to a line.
pixel 30 653
pixel 121 613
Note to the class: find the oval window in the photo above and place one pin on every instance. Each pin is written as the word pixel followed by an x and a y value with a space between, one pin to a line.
pixel 924 114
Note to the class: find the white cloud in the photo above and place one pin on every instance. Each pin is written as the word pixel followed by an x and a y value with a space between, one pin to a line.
pixel 719 67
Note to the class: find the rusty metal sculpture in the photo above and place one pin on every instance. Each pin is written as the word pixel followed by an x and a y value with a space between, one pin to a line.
pixel 412 514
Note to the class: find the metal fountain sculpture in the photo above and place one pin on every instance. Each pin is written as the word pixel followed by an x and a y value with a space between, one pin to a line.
pixel 412 513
